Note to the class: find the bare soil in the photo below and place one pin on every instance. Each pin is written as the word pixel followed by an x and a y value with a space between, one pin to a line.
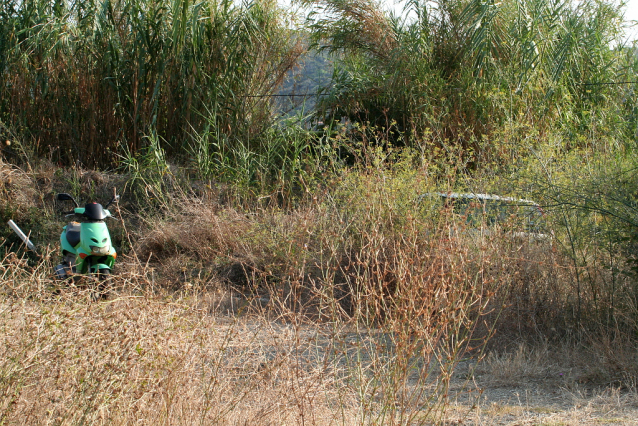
pixel 481 397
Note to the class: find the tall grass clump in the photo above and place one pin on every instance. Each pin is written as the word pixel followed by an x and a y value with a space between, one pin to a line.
pixel 278 162
pixel 109 73
pixel 462 72
pixel 592 207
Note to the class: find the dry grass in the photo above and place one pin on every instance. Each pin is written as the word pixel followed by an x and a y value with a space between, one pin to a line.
pixel 16 185
pixel 197 356
pixel 542 384
pixel 349 309
pixel 172 360
pixel 302 355
pixel 176 358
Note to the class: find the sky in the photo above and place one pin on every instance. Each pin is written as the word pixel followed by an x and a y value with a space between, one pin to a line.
pixel 632 10
pixel 631 14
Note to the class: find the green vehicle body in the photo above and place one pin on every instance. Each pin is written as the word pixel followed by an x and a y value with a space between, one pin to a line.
pixel 94 247
pixel 86 246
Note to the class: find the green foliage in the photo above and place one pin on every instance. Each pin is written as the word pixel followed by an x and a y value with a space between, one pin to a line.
pixel 109 72
pixel 150 181
pixel 278 159
pixel 460 71
pixel 589 196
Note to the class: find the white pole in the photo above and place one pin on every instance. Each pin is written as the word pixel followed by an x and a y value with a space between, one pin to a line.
pixel 21 235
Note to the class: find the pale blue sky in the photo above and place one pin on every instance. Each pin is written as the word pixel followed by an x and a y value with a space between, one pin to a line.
pixel 631 14
pixel 632 10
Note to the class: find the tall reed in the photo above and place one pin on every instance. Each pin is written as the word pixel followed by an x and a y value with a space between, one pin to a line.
pixel 462 72
pixel 84 79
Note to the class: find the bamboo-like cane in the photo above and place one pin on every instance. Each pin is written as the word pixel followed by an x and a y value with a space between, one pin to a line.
pixel 21 234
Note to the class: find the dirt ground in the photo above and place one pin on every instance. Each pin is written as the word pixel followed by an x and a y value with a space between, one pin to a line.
pixel 485 399
pixel 187 359
pixel 531 385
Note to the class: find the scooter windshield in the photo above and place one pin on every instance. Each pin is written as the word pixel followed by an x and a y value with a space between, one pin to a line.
pixel 94 211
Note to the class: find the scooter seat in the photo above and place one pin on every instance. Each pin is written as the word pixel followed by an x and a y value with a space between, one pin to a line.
pixel 73 233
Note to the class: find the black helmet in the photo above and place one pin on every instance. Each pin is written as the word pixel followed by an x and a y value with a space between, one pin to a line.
pixel 94 211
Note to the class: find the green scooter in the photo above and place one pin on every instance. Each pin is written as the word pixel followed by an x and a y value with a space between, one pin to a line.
pixel 86 245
